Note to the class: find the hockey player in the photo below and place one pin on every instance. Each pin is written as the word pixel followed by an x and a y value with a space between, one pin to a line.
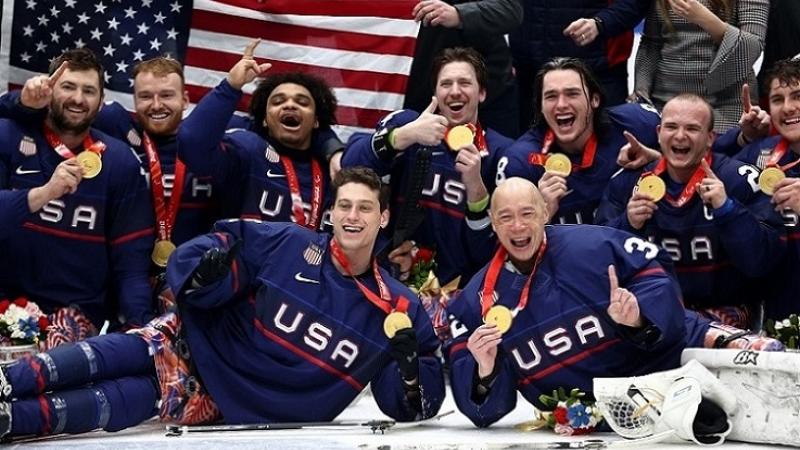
pixel 278 179
pixel 779 155
pixel 557 306
pixel 714 222
pixel 79 227
pixel 570 121
pixel 276 318
pixel 462 172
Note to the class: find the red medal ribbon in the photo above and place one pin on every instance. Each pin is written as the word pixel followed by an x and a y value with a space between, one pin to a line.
pixel 480 138
pixel 165 213
pixel 88 144
pixel 589 150
pixel 490 281
pixel 778 153
pixel 384 302
pixel 691 186
pixel 297 199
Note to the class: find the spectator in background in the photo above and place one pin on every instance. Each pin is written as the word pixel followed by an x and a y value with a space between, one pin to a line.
pixel 706 47
pixel 597 31
pixel 478 24
pixel 783 39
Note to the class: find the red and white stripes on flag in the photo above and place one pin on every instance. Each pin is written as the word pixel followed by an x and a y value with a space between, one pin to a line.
pixel 363 49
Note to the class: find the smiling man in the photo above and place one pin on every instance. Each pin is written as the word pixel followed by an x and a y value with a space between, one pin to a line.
pixel 278 175
pixel 79 227
pixel 570 120
pixel 283 324
pixel 713 220
pixel 462 172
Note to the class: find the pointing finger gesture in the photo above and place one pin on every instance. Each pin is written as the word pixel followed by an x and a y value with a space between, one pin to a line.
pixel 247 69
pixel 623 307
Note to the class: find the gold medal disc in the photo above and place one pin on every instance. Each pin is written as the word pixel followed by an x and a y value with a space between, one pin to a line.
pixel 559 164
pixel 501 316
pixel 459 136
pixel 653 187
pixel 769 178
pixel 395 322
pixel 90 163
pixel 161 252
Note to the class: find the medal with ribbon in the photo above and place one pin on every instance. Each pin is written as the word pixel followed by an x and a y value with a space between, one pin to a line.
pixel 396 317
pixel 89 159
pixel 500 315
pixel 648 179
pixel 297 200
pixel 166 213
pixel 461 135
pixel 774 172
pixel 560 163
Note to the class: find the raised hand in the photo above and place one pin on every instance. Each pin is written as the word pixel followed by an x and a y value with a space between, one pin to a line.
pixel 634 154
pixel 38 91
pixel 429 129
pixel 483 345
pixel 215 264
pixel 711 188
pixel 640 209
pixel 623 306
pixel 247 69
pixel 553 188
pixel 468 164
pixel 754 122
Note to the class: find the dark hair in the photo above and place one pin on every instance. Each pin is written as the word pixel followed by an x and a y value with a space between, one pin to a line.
pixel 786 71
pixel 694 98
pixel 79 59
pixel 160 66
pixel 365 176
pixel 460 54
pixel 591 88
pixel 324 100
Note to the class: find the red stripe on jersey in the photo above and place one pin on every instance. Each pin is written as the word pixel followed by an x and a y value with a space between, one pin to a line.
pixel 450 212
pixel 704 268
pixel 457 347
pixel 568 362
pixel 650 271
pixel 44 409
pixel 132 236
pixel 64 234
pixel 305 355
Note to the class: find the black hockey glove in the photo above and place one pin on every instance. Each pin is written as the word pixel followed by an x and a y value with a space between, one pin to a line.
pixel 215 264
pixel 403 349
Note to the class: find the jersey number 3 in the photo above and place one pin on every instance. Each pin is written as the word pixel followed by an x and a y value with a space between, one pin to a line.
pixel 633 244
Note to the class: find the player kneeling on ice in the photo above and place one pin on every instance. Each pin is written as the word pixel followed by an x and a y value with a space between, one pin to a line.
pixel 282 323
pixel 559 305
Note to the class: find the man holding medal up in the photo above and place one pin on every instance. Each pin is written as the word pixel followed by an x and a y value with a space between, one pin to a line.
pixel 706 210
pixel 570 152
pixel 80 214
pixel 557 306
pixel 462 164
pixel 777 157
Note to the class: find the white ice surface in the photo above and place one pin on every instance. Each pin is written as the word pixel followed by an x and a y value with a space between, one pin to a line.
pixel 453 432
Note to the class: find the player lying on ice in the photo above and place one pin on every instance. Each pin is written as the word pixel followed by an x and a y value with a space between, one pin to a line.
pixel 282 323
pixel 561 305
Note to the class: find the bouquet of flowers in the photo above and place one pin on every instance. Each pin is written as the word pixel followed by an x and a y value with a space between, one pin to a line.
pixel 786 330
pixel 422 264
pixel 21 322
pixel 567 415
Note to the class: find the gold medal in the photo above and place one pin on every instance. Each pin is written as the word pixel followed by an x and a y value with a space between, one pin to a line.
pixel 395 322
pixel 501 316
pixel 559 164
pixel 161 252
pixel 90 163
pixel 653 187
pixel 459 136
pixel 769 178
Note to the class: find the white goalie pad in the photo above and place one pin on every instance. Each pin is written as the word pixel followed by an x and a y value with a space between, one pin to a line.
pixel 663 404
pixel 767 390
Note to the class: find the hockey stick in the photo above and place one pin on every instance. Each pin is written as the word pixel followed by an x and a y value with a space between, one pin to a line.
pixel 411 215
pixel 374 425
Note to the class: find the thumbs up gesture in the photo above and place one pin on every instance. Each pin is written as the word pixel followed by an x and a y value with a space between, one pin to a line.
pixel 634 154
pixel 429 129
pixel 623 306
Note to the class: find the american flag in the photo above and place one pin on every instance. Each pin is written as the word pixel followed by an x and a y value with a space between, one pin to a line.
pixel 363 49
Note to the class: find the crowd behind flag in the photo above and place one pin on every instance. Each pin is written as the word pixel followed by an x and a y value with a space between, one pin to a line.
pixel 362 49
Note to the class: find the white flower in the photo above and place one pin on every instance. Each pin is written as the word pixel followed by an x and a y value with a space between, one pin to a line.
pixel 786 323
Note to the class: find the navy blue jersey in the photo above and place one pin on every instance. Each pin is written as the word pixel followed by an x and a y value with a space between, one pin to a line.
pixel 246 165
pixel 199 207
pixel 564 337
pixel 716 255
pixel 444 195
pixel 783 284
pixel 286 337
pixel 77 247
pixel 585 187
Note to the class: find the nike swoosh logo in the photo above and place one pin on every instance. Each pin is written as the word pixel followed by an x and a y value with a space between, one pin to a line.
pixel 21 171
pixel 274 175
pixel 299 277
